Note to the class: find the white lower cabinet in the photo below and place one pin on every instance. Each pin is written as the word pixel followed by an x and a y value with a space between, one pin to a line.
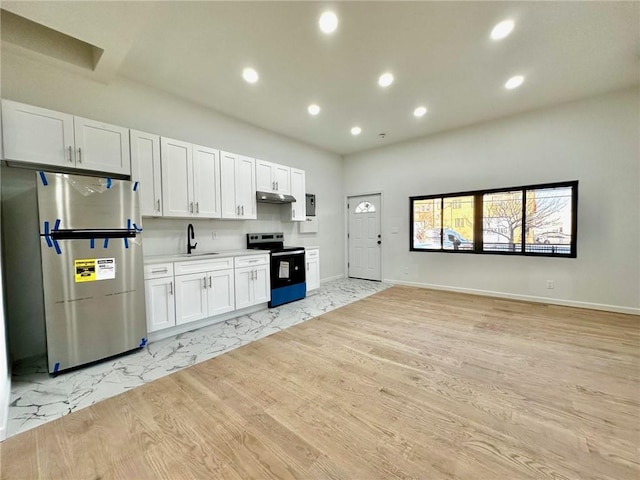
pixel 204 289
pixel 159 292
pixel 312 258
pixel 253 281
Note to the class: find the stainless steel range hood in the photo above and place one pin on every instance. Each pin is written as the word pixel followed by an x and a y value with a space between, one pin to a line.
pixel 270 197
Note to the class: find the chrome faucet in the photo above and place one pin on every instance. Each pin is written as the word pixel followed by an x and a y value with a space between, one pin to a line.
pixel 190 236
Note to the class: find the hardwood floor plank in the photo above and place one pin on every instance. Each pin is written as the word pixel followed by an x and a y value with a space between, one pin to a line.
pixel 405 384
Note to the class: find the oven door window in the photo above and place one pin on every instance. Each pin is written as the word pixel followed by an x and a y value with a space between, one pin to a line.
pixel 287 270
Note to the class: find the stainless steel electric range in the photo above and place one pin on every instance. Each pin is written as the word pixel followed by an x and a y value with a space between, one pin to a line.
pixel 288 278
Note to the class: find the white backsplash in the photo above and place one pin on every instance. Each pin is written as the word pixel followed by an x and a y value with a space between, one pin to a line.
pixel 163 236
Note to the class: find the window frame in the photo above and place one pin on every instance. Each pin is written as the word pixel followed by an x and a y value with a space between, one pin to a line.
pixel 478 216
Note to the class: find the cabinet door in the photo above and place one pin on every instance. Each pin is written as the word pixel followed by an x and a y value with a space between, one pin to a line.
pixel 261 284
pixel 244 287
pixel 191 297
pixel 246 187
pixel 206 182
pixel 299 207
pixel 145 169
pixel 265 181
pixel 177 178
pixel 101 146
pixel 228 202
pixel 221 293
pixel 160 303
pixel 282 178
pixel 313 269
pixel 37 135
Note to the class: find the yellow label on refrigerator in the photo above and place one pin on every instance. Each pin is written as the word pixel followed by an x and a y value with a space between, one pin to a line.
pixel 85 270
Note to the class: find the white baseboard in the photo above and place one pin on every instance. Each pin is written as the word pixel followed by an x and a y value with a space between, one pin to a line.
pixel 329 279
pixel 205 322
pixel 526 298
pixel 5 397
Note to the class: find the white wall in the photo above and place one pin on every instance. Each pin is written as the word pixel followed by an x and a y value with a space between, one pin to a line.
pixel 4 367
pixel 595 141
pixel 133 105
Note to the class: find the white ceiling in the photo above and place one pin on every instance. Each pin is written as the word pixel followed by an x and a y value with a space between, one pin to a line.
pixel 439 52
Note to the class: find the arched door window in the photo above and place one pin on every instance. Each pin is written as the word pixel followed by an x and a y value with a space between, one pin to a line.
pixel 365 207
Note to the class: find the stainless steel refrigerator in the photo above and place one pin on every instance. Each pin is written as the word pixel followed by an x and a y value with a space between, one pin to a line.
pixel 92 268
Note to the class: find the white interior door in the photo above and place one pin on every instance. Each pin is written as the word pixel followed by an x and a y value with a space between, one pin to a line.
pixel 365 237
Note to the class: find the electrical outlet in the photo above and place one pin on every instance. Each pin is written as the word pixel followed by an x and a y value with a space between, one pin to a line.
pixel 551 284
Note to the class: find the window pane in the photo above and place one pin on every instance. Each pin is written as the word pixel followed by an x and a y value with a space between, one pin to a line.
pixel 457 221
pixel 365 207
pixel 502 222
pixel 548 222
pixel 426 223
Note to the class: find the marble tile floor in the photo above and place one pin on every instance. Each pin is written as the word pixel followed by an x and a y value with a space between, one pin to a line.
pixel 37 397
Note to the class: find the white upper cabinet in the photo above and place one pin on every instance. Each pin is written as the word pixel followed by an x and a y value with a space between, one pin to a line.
pixel 177 177
pixel 46 137
pixel 206 182
pixel 190 180
pixel 238 186
pixel 145 169
pixel 297 212
pixel 272 177
pixel 101 146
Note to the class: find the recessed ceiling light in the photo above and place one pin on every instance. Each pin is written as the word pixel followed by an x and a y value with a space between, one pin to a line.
pixel 356 131
pixel 502 30
pixel 514 82
pixel 314 109
pixel 385 79
pixel 328 22
pixel 420 111
pixel 250 75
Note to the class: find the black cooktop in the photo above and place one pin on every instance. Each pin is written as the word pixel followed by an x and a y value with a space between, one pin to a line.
pixel 273 242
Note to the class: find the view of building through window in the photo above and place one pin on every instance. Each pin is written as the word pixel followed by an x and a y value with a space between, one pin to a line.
pixel 538 219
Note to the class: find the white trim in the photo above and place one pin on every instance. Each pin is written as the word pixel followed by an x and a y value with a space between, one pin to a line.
pixel 205 322
pixel 527 298
pixel 5 397
pixel 329 279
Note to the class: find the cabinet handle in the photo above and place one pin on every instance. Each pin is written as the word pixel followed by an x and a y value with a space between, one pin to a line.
pixel 171 287
pixel 160 270
pixel 307 266
pixel 79 155
pixel 294 213
pixel 205 282
pixel 197 207
pixel 158 202
pixel 238 210
pixel 243 210
pixel 277 185
pixel 191 207
pixel 209 281
pixel 273 185
pixel 70 154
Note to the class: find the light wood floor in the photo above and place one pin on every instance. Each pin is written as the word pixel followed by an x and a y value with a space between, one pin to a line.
pixel 408 383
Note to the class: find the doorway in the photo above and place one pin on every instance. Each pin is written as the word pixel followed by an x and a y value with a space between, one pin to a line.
pixel 364 238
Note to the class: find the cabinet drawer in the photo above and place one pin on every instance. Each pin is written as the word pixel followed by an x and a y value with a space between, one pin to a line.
pixel 312 253
pixel 201 266
pixel 158 270
pixel 251 260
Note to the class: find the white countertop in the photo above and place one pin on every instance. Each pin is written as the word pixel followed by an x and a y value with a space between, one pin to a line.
pixel 183 257
pixel 312 248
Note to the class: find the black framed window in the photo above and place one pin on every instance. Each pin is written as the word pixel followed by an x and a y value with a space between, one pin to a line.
pixel 537 220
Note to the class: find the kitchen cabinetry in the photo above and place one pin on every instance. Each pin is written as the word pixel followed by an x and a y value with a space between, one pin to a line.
pixel 296 212
pixel 190 180
pixel 312 258
pixel 252 279
pixel 272 177
pixel 204 289
pixel 238 186
pixel 46 137
pixel 146 170
pixel 159 296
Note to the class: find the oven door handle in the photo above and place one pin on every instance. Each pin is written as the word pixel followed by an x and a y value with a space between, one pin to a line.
pixel 282 254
